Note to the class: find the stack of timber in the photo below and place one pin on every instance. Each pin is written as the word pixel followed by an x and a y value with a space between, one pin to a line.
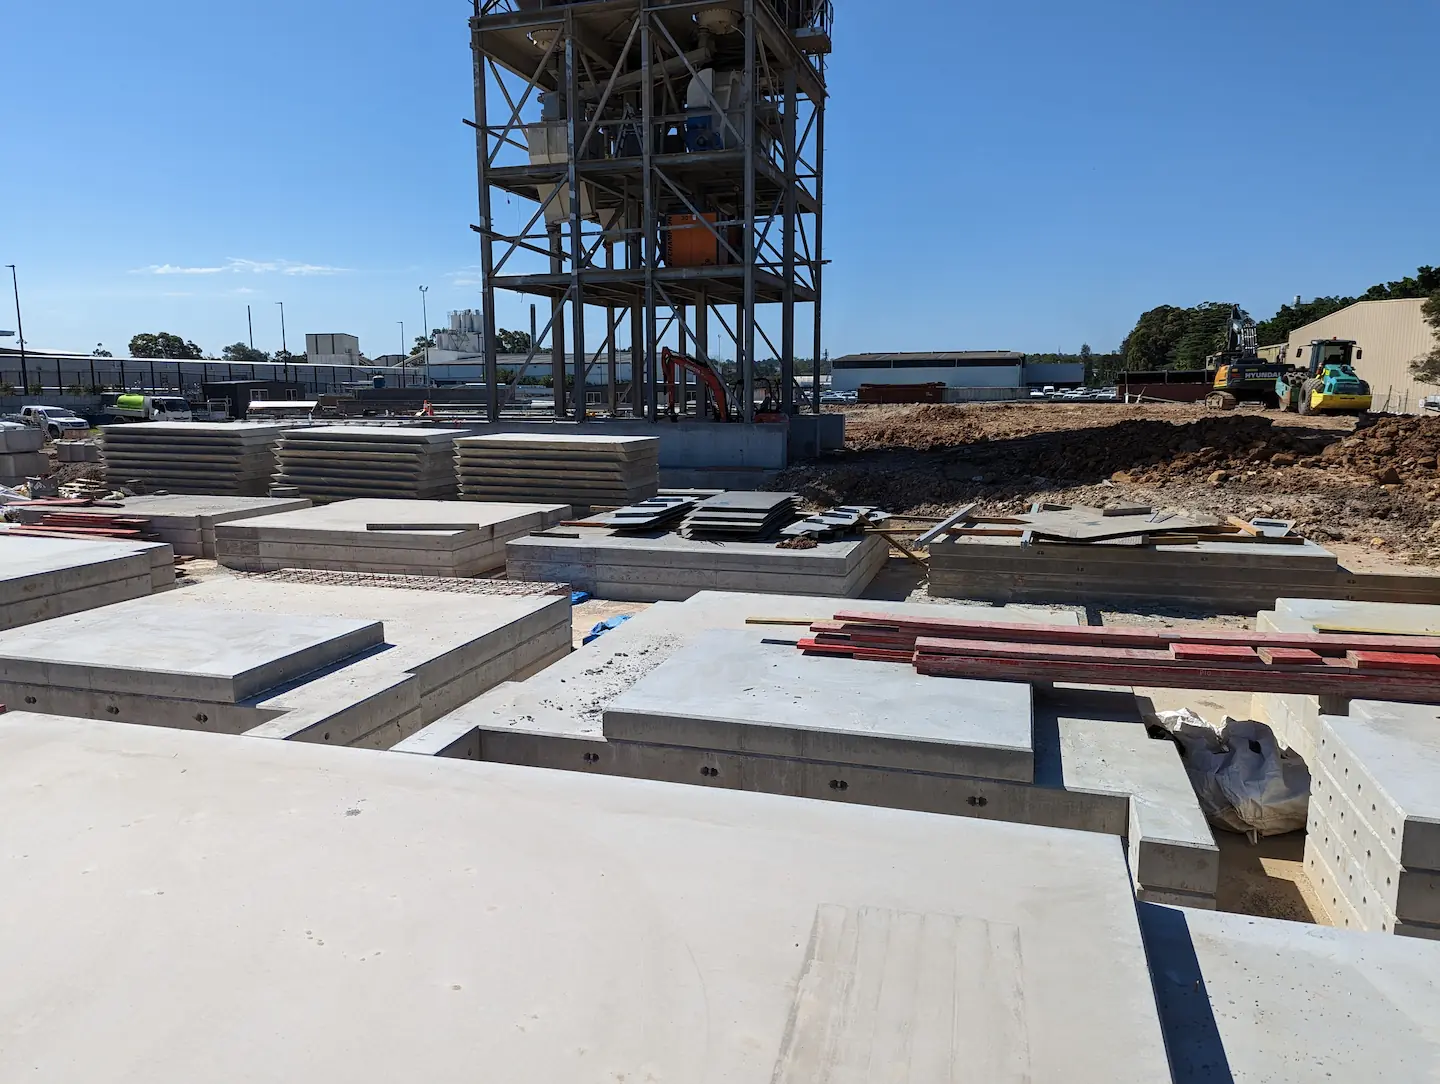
pixel 582 469
pixel 1363 666
pixel 341 462
pixel 59 518
pixel 230 458
pixel 740 517
pixel 185 520
pixel 1058 553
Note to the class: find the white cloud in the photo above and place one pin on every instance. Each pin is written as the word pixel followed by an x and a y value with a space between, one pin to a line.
pixel 237 266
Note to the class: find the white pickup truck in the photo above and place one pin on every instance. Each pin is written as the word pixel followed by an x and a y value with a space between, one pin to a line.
pixel 54 421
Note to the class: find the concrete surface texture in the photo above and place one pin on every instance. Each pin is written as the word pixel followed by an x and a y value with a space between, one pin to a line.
pixel 731 691
pixel 1095 769
pixel 338 462
pixel 233 458
pixel 43 578
pixel 187 520
pixel 590 938
pixel 580 469
pixel 436 538
pixel 440 648
pixel 1256 1000
pixel 668 567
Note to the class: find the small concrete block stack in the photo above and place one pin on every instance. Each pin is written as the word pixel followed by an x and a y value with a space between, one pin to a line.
pixel 228 458
pixel 77 451
pixel 671 567
pixel 1372 846
pixel 340 462
pixel 21 454
pixel 402 537
pixel 583 469
pixel 42 578
pixel 1249 999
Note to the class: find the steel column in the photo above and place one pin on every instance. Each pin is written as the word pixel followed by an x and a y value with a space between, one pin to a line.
pixel 577 241
pixel 487 261
pixel 747 323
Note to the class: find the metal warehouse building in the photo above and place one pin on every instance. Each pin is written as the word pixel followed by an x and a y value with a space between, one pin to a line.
pixel 1388 336
pixel 987 369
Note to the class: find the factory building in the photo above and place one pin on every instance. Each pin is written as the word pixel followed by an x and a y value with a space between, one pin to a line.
pixel 995 371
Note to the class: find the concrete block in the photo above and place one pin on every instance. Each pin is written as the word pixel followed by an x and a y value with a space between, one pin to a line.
pixel 936 946
pixel 1254 999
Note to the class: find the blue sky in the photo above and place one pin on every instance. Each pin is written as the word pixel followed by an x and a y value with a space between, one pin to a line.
pixel 1000 175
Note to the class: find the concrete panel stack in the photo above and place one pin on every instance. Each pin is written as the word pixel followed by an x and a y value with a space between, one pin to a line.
pixel 403 537
pixel 340 462
pixel 671 567
pixel 21 454
pixel 585 469
pixel 741 516
pixel 232 458
pixel 692 693
pixel 41 578
pixel 1372 845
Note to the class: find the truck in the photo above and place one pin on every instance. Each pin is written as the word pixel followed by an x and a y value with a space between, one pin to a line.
pixel 54 421
pixel 140 407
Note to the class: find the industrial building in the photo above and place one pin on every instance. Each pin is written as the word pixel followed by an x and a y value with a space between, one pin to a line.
pixel 996 373
pixel 1388 336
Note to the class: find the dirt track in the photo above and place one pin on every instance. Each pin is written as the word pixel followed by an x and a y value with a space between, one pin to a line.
pixel 1374 482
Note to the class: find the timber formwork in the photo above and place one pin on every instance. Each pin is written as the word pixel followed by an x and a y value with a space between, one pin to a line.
pixel 591 97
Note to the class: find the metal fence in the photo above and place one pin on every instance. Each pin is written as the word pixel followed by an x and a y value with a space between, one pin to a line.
pixel 92 376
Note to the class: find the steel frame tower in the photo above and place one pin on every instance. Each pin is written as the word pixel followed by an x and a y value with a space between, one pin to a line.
pixel 610 99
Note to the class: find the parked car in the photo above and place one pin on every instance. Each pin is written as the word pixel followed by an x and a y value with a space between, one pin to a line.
pixel 832 397
pixel 55 421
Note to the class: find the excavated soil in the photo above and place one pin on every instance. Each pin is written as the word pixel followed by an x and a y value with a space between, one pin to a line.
pixel 1372 480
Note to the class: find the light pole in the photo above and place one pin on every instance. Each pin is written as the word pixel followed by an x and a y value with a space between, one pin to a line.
pixel 425 330
pixel 20 330
pixel 284 346
pixel 403 355
pixel 250 324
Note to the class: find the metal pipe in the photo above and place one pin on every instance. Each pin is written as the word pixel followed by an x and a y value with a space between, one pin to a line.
pixel 20 330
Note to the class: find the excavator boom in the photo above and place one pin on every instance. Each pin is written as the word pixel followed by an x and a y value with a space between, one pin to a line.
pixel 704 371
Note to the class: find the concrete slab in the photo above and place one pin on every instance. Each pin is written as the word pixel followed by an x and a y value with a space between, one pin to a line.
pixel 731 692
pixel 154 647
pixel 50 577
pixel 596 445
pixel 1255 1000
pixel 356 882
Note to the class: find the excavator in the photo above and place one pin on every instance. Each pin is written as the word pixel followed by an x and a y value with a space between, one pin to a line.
pixel 1241 375
pixel 1328 384
pixel 727 399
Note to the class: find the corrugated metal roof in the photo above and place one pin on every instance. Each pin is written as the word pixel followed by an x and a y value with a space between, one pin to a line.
pixel 1001 356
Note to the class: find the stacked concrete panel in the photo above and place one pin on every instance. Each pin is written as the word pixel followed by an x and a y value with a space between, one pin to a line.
pixel 340 462
pixel 354 664
pixel 589 469
pixel 41 578
pixel 1226 576
pixel 670 567
pixel 667 697
pixel 234 459
pixel 1254 1000
pixel 21 454
pixel 560 925
pixel 186 521
pixel 423 538
pixel 1372 846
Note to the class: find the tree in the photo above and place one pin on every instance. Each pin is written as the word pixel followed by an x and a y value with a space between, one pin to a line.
pixel 512 342
pixel 284 357
pixel 240 352
pixel 1277 329
pixel 101 352
pixel 1168 337
pixel 421 342
pixel 162 344
pixel 1426 368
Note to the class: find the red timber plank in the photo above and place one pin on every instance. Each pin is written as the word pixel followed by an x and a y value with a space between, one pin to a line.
pixel 1288 656
pixel 1120 636
pixel 1391 660
pixel 1339 680
pixel 846 651
pixel 72 532
pixel 992 649
pixel 1214 652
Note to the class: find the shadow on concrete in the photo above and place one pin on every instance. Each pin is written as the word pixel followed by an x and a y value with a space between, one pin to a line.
pixel 1192 1037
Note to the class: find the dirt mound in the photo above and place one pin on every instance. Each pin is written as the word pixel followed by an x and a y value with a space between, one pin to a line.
pixel 923 427
pixel 1392 450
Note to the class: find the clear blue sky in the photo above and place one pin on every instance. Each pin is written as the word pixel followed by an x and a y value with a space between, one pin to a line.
pixel 1020 175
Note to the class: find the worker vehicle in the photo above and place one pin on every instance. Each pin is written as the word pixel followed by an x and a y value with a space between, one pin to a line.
pixel 54 420
pixel 1328 384
pixel 1241 375
pixel 728 398
pixel 139 407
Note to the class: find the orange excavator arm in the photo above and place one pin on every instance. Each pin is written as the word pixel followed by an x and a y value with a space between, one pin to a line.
pixel 705 373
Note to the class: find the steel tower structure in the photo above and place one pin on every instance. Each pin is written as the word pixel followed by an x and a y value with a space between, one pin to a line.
pixel 693 133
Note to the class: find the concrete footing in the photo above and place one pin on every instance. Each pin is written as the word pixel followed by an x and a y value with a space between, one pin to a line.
pixel 42 578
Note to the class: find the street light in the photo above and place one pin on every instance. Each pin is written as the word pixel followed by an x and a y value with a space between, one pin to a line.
pixel 403 355
pixel 20 327
pixel 284 347
pixel 425 331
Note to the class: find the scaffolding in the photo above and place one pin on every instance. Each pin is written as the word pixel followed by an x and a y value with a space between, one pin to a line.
pixel 667 159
